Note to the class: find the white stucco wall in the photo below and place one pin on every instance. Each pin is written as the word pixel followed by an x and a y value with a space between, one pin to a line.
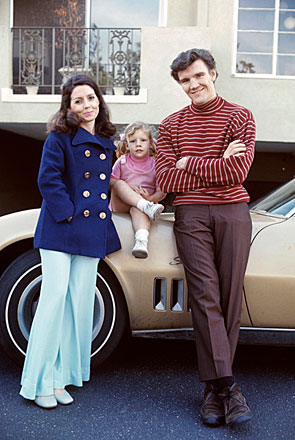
pixel 271 100
pixel 5 49
pixel 191 23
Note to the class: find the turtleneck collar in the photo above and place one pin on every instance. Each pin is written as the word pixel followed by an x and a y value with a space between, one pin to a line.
pixel 139 160
pixel 209 107
pixel 139 164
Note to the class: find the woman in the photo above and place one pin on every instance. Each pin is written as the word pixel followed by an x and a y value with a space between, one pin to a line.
pixel 74 231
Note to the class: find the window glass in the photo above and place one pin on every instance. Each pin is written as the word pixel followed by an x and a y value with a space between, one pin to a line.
pixel 286 44
pixel 257 3
pixel 266 27
pixel 254 63
pixel 286 65
pixel 124 13
pixel 281 201
pixel 256 20
pixel 287 21
pixel 287 4
pixel 255 42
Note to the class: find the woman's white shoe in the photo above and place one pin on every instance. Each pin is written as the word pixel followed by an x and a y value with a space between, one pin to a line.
pixel 64 398
pixel 46 402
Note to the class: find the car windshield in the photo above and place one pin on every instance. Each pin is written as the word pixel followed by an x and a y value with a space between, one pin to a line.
pixel 279 202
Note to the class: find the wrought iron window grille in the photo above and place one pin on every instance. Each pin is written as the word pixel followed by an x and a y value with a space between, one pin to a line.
pixel 44 57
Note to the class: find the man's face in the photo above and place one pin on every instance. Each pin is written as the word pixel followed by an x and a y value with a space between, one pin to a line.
pixel 198 82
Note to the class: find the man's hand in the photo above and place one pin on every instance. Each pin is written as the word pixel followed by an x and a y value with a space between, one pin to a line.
pixel 181 163
pixel 235 148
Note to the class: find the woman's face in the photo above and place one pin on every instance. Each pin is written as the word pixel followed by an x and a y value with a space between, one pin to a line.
pixel 85 104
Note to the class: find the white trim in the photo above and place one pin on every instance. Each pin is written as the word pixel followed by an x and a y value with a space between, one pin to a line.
pixel 87 13
pixel 275 38
pixel 141 98
pixel 190 329
pixel 261 76
pixel 267 53
pixel 161 330
pixel 268 329
pixel 11 9
pixel 87 24
pixel 163 13
pixel 235 38
pixel 8 96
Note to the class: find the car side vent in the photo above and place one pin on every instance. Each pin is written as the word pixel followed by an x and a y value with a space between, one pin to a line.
pixel 177 295
pixel 160 293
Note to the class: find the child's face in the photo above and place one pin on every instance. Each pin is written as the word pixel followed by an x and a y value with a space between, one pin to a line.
pixel 139 143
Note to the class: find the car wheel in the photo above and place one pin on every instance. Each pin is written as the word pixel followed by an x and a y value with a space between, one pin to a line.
pixel 20 289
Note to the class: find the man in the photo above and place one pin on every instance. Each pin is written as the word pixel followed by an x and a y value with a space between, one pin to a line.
pixel 204 153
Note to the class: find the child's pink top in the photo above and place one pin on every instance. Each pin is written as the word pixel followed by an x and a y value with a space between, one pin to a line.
pixel 136 171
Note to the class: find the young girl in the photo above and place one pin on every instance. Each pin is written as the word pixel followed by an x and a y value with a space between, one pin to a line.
pixel 133 183
pixel 74 230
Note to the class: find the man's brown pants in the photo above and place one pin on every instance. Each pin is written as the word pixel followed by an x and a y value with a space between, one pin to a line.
pixel 213 243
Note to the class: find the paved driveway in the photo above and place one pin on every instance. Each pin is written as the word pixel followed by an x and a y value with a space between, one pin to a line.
pixel 153 393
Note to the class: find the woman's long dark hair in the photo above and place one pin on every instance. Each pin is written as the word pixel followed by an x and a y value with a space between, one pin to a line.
pixel 68 121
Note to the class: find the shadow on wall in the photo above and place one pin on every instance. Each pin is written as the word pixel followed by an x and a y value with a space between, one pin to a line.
pixel 19 165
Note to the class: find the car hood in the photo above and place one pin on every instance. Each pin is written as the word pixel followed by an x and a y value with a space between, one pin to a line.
pixel 261 220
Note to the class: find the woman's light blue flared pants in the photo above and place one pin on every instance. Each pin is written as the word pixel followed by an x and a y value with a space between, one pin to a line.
pixel 59 346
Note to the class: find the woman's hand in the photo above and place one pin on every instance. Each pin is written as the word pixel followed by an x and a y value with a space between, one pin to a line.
pixel 235 148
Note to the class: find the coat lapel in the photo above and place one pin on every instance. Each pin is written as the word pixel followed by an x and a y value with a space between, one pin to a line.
pixel 83 136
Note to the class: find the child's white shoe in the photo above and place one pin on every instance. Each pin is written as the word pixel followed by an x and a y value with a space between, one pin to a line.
pixel 140 249
pixel 152 210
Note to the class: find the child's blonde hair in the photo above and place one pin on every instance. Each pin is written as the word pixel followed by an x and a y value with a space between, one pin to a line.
pixel 122 144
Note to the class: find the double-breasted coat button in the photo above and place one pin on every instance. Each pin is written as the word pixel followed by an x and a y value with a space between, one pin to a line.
pixel 86 193
pixel 87 153
pixel 102 156
pixel 102 176
pixel 87 175
pixel 102 215
pixel 86 213
pixel 103 196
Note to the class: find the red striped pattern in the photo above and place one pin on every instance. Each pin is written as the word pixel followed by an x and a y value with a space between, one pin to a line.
pixel 203 133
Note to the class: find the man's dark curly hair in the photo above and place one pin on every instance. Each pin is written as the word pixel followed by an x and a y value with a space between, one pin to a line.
pixel 186 58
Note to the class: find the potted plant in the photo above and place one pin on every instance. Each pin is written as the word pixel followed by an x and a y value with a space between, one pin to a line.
pixel 72 38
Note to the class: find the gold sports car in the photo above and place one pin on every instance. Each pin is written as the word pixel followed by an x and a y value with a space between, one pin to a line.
pixel 148 297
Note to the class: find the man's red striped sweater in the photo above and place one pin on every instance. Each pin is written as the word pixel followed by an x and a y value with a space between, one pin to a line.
pixel 203 133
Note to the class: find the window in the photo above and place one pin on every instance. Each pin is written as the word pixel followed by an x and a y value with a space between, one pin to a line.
pixel 266 37
pixel 115 41
pixel 124 13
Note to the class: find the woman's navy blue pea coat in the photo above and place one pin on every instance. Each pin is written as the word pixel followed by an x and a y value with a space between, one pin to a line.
pixel 74 179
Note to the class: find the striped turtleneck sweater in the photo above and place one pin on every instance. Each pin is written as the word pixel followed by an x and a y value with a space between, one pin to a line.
pixel 203 133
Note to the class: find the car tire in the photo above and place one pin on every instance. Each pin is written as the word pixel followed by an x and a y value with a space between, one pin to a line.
pixel 20 289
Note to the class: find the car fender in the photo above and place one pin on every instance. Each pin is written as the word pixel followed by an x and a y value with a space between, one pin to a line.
pixel 17 226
